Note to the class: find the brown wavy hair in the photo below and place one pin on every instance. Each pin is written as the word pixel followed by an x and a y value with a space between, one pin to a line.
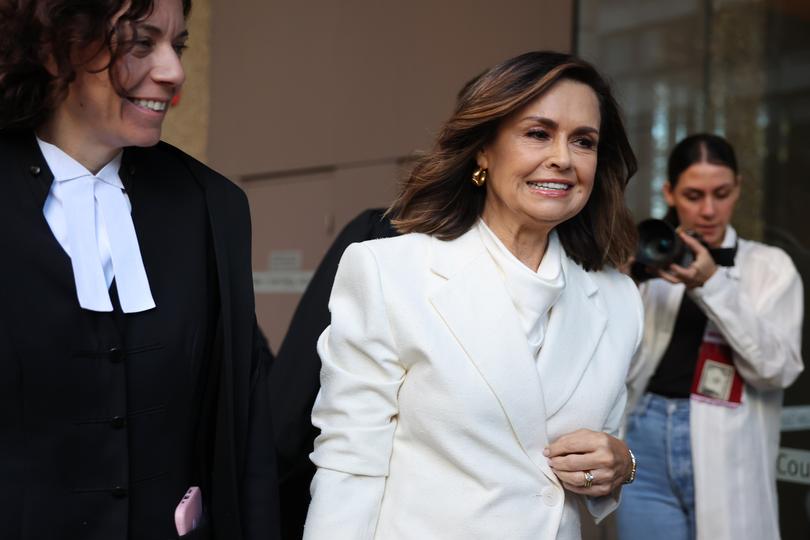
pixel 439 199
pixel 63 35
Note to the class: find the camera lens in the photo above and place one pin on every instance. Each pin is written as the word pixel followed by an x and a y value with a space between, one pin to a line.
pixel 659 244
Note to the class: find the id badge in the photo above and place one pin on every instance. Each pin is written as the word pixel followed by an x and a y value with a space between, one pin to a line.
pixel 716 378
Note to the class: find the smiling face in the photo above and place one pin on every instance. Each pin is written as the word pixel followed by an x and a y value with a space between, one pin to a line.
pixel 704 198
pixel 94 122
pixel 542 161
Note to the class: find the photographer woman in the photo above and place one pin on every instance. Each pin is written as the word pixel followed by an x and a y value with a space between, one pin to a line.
pixel 721 342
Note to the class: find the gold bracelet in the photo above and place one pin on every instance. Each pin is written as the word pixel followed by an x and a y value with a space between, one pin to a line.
pixel 632 476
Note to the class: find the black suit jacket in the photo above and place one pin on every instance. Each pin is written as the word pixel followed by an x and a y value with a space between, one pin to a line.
pixel 295 379
pixel 235 455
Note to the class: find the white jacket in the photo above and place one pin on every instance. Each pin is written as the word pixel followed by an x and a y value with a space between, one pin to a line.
pixel 433 417
pixel 757 304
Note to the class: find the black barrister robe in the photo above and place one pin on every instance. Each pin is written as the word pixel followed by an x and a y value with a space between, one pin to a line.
pixel 82 452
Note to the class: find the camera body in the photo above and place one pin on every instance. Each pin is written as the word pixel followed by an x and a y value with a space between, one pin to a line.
pixel 660 246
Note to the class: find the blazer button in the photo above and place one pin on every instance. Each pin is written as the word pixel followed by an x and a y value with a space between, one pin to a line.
pixel 116 355
pixel 118 422
pixel 550 497
pixel 119 492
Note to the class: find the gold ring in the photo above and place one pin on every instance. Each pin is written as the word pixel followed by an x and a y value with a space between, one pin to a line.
pixel 588 479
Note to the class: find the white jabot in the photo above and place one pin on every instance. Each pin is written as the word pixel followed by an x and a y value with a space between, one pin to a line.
pixel 532 293
pixel 90 218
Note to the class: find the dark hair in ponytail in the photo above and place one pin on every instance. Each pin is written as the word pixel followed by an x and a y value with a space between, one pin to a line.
pixel 698 148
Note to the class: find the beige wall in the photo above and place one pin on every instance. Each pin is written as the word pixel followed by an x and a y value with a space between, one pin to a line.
pixel 315 104
pixel 187 124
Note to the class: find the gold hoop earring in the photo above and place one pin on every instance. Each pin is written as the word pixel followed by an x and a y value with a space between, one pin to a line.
pixel 479 177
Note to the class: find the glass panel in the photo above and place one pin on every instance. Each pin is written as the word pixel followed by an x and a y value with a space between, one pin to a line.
pixel 654 54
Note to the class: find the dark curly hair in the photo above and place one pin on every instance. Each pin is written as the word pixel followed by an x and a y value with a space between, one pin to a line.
pixel 39 42
pixel 439 199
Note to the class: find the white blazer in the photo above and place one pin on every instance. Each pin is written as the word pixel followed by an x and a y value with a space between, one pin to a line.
pixel 433 416
pixel 758 305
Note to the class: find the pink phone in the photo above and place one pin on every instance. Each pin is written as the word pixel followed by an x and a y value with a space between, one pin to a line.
pixel 188 513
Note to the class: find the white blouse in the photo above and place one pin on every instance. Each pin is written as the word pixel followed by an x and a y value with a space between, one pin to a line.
pixel 533 293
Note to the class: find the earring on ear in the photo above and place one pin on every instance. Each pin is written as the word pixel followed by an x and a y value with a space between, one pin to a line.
pixel 479 177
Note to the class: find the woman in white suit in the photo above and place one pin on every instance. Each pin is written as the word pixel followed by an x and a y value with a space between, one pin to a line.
pixel 474 369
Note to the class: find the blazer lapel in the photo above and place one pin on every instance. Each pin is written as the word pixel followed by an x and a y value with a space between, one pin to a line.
pixel 575 326
pixel 475 305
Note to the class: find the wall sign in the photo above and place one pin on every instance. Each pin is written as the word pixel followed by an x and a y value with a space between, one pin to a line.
pixel 796 418
pixel 281 281
pixel 283 274
pixel 284 260
pixel 793 465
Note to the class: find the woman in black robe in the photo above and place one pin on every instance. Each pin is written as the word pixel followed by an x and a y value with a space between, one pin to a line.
pixel 131 366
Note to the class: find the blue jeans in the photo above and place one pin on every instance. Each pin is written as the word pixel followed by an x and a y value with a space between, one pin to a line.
pixel 660 504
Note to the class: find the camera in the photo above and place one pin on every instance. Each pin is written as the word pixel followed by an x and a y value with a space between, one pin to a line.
pixel 660 246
